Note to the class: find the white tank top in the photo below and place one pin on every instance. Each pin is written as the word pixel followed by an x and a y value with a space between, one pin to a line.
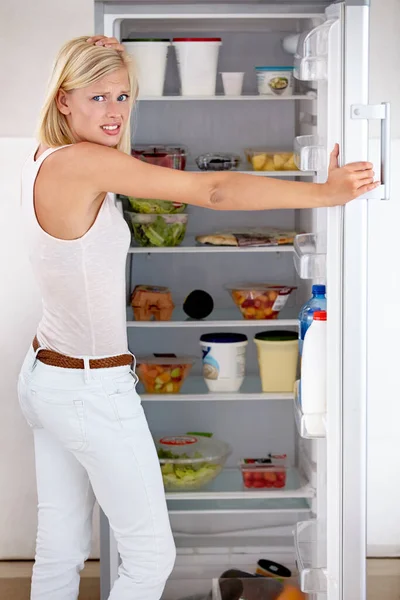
pixel 82 281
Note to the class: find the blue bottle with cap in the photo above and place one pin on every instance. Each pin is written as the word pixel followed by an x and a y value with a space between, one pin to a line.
pixel 316 302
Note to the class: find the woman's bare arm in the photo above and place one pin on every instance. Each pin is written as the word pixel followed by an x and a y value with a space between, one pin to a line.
pixel 97 169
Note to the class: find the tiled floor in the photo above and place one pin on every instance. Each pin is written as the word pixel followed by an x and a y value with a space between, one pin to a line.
pixel 383 580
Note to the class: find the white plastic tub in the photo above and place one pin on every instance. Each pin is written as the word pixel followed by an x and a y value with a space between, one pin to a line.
pixel 233 83
pixel 275 81
pixel 224 361
pixel 197 63
pixel 150 58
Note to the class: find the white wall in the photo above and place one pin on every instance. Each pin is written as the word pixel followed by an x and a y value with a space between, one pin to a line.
pixel 383 300
pixel 32 32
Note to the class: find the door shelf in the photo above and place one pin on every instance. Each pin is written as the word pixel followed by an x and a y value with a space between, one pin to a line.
pixel 190 245
pixel 310 256
pixel 309 426
pixel 228 317
pixel 310 547
pixel 311 57
pixel 194 389
pixel 309 153
pixel 309 96
pixel 229 486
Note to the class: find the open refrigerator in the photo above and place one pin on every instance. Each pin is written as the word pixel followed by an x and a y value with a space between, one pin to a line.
pixel 316 524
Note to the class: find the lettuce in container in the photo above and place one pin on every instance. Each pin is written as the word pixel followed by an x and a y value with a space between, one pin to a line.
pixel 153 207
pixel 158 230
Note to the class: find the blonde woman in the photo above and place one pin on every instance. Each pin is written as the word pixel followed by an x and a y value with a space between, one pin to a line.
pixel 77 387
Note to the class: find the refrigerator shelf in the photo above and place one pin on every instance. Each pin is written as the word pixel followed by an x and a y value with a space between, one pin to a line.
pixel 310 547
pixel 308 96
pixel 220 317
pixel 310 256
pixel 194 389
pixel 309 426
pixel 311 57
pixel 229 486
pixel 247 506
pixel 309 153
pixel 189 245
pixel 278 174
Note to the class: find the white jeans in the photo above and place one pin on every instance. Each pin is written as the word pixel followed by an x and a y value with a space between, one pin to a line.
pixel 92 442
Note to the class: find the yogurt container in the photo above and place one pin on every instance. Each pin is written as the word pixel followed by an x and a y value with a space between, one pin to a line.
pixel 275 81
pixel 277 352
pixel 224 361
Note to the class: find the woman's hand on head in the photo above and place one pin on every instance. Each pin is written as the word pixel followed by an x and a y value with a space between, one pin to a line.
pixel 107 42
pixel 348 182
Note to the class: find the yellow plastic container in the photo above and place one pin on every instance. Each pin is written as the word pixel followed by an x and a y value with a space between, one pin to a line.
pixel 277 359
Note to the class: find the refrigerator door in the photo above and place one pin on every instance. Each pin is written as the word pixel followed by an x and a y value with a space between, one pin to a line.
pixel 347 262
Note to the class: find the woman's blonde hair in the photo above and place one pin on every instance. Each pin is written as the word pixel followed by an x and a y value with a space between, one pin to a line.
pixel 78 65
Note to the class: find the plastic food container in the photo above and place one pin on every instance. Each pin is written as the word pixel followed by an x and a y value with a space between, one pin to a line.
pixel 275 81
pixel 150 57
pixel 197 64
pixel 155 207
pixel 189 462
pixel 163 373
pixel 218 161
pixel 152 302
pixel 233 83
pixel 224 360
pixel 278 353
pixel 259 300
pixel 173 157
pixel 265 159
pixel 260 473
pixel 158 230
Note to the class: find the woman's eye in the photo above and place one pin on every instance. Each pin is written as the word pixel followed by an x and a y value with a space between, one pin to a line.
pixel 96 98
pixel 123 98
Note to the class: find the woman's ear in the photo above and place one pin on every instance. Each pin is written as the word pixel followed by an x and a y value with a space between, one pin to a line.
pixel 62 100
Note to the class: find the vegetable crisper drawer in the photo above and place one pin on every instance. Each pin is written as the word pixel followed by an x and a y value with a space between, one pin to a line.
pixel 310 256
pixel 310 548
pixel 311 58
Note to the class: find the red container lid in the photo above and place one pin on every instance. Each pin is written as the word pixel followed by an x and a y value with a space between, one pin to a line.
pixel 320 315
pixel 197 40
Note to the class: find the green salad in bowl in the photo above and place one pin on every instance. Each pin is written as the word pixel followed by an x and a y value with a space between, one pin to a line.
pixel 189 462
pixel 158 230
pixel 153 207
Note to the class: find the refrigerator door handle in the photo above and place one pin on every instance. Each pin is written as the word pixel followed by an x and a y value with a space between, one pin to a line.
pixel 382 112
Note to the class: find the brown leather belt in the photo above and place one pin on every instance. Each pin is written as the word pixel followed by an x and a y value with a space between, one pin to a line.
pixel 55 359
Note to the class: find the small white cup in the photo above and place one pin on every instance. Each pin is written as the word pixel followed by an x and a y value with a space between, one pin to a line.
pixel 233 83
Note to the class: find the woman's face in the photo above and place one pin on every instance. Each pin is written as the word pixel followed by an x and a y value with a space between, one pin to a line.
pixel 99 112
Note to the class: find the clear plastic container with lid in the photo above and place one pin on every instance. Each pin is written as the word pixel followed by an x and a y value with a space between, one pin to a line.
pixel 277 359
pixel 190 461
pixel 260 300
pixel 163 373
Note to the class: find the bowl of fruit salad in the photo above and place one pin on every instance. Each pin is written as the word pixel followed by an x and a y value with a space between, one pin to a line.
pixel 190 461
pixel 260 300
pixel 163 373
pixel 268 472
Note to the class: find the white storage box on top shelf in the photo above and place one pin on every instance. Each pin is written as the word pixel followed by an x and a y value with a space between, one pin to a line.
pixel 310 256
pixel 311 550
pixel 311 58
pixel 309 153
